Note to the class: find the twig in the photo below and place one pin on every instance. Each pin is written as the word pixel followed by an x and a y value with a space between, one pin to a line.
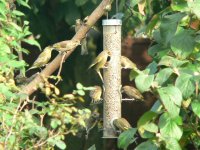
pixel 51 67
pixel 60 68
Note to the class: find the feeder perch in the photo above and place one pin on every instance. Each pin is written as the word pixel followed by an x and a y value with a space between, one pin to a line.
pixel 112 76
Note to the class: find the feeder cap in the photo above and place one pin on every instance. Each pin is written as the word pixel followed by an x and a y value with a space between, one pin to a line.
pixel 110 22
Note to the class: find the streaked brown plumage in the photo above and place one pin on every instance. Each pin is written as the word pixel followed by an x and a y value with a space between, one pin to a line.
pixel 122 124
pixel 84 50
pixel 66 45
pixel 100 61
pixel 96 94
pixel 42 59
pixel 132 92
pixel 127 63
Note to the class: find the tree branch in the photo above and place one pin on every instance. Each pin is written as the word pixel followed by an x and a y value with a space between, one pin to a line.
pixel 51 67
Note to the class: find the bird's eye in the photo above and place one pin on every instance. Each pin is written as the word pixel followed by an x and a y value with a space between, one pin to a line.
pixel 108 58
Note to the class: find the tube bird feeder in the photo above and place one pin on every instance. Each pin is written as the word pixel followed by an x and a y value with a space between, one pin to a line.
pixel 112 76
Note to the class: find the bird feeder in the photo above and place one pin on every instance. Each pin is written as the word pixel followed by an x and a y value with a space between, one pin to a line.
pixel 112 76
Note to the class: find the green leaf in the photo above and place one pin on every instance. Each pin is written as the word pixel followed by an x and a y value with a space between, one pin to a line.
pixel 163 75
pixel 143 82
pixel 182 44
pixel 60 144
pixel 171 98
pixel 169 25
pixel 23 3
pixel 126 138
pixel 18 13
pixel 179 5
pixel 152 68
pixel 172 144
pixel 80 2
pixel 148 145
pixel 171 62
pixel 81 92
pixel 32 42
pixel 146 117
pixel 79 86
pixel 151 127
pixel 93 147
pixel 158 50
pixel 185 84
pixel 133 2
pixel 157 106
pixel 169 127
pixel 196 108
pixel 194 7
pixel 133 74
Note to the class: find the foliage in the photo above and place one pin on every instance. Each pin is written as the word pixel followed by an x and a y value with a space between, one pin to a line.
pixel 173 77
pixel 31 123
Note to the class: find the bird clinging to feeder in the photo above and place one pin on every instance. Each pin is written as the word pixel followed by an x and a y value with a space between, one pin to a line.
pixel 66 45
pixel 42 59
pixel 122 124
pixel 127 63
pixel 84 50
pixel 132 92
pixel 100 61
pixel 96 94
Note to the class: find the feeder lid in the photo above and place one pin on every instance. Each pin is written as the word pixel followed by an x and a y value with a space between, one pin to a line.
pixel 110 22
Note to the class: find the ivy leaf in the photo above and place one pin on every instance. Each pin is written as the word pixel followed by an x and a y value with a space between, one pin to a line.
pixel 126 138
pixel 196 108
pixel 143 82
pixel 148 145
pixel 163 75
pixel 171 98
pixel 185 85
pixel 182 44
pixel 169 126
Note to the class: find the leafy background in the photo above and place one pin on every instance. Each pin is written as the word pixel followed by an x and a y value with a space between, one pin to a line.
pixel 172 78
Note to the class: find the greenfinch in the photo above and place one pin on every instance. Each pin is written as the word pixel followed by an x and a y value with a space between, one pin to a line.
pixel 65 46
pixel 84 50
pixel 42 59
pixel 96 95
pixel 122 124
pixel 127 63
pixel 100 61
pixel 132 92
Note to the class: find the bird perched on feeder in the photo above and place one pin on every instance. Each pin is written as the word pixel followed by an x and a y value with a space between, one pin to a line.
pixel 84 50
pixel 132 92
pixel 100 61
pixel 65 46
pixel 122 124
pixel 96 94
pixel 127 63
pixel 42 59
